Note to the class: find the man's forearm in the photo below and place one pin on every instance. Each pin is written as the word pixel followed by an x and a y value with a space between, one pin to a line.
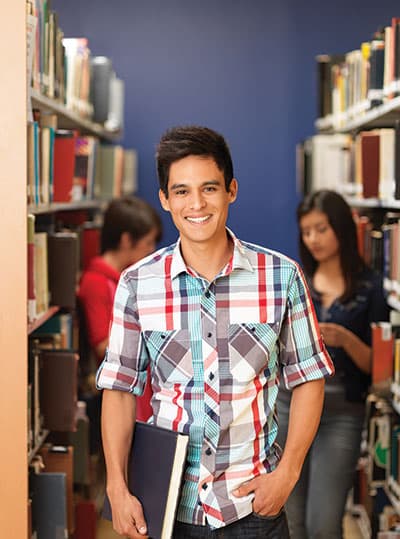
pixel 305 413
pixel 117 422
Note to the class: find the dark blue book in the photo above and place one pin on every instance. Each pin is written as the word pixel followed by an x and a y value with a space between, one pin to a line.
pixel 155 469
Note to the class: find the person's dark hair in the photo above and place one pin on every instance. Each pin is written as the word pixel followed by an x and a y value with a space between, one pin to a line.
pixel 180 142
pixel 128 214
pixel 341 220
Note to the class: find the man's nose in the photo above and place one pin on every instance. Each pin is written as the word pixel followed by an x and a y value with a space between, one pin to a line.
pixel 197 201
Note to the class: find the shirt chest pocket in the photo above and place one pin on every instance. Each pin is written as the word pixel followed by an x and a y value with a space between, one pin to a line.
pixel 171 355
pixel 251 347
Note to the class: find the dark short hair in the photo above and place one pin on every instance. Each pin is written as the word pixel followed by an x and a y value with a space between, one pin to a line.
pixel 180 142
pixel 128 214
pixel 341 220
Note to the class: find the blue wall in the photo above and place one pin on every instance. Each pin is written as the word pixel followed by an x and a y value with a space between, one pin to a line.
pixel 242 67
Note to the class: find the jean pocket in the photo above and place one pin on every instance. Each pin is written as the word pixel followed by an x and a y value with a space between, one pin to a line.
pixel 268 517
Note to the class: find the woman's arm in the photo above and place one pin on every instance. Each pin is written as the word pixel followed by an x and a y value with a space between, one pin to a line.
pixel 341 337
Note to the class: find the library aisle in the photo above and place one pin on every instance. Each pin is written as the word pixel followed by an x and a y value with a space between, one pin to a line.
pixel 351 529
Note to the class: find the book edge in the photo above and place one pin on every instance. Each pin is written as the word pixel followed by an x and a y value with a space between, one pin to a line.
pixel 174 486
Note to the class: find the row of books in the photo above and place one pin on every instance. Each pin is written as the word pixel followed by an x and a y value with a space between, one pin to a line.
pixel 56 260
pixel 379 245
pixel 350 84
pixel 364 166
pixel 64 69
pixel 64 166
pixel 53 265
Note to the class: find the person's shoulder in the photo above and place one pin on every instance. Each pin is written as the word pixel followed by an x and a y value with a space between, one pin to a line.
pixel 272 257
pixel 151 264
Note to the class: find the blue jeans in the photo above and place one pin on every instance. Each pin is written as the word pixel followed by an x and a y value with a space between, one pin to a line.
pixel 251 527
pixel 316 507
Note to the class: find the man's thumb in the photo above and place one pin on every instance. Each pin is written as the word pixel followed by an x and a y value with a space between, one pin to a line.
pixel 243 490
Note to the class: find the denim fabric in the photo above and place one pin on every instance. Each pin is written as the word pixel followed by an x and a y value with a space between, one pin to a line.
pixel 251 527
pixel 315 509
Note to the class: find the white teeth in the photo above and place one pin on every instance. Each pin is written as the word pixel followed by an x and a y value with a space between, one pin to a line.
pixel 198 219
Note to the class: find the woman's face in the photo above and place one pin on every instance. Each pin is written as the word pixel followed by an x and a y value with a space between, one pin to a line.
pixel 318 236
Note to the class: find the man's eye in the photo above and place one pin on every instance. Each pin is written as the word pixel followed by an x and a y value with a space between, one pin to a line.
pixel 210 189
pixel 180 192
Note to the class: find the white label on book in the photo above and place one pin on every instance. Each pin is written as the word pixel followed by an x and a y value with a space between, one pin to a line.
pixel 386 330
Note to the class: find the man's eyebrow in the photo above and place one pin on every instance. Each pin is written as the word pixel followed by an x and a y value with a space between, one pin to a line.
pixel 176 186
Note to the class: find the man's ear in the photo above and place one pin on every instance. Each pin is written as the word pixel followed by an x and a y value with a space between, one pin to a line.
pixel 233 189
pixel 126 241
pixel 163 200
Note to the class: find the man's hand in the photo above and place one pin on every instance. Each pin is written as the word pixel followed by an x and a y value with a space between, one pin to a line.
pixel 128 519
pixel 271 490
pixel 334 334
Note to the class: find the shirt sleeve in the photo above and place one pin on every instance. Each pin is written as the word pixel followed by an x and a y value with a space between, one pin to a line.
pixel 303 355
pixel 124 366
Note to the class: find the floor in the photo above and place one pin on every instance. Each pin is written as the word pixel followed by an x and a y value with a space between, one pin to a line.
pixel 105 530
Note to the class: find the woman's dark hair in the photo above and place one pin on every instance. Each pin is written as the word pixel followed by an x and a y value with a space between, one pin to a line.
pixel 128 214
pixel 180 142
pixel 342 222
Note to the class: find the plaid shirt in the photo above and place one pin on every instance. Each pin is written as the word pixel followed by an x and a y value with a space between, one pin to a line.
pixel 217 350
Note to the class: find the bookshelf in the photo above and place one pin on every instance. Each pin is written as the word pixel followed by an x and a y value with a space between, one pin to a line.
pixel 51 311
pixel 67 119
pixel 361 129
pixel 13 313
pixel 380 116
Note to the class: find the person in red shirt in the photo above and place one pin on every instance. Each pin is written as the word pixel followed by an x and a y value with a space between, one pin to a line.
pixel 131 229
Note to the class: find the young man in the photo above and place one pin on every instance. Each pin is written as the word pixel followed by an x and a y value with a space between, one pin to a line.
pixel 220 321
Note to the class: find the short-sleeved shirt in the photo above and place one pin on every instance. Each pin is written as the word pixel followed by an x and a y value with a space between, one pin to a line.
pixel 217 350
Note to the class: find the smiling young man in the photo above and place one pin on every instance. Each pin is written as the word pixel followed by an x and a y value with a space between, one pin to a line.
pixel 219 321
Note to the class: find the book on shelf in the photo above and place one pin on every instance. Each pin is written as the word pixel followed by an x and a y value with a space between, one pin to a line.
pixel 382 353
pixel 49 505
pixel 60 459
pixel 63 263
pixel 102 73
pixel 370 163
pixel 85 519
pixel 31 268
pixel 85 158
pixel 109 172
pixel 41 272
pixel 64 165
pixel 58 381
pixel 155 469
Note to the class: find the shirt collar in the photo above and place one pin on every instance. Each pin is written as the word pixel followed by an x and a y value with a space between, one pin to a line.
pixel 239 260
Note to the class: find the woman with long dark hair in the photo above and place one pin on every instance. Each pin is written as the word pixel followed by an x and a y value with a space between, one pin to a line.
pixel 347 297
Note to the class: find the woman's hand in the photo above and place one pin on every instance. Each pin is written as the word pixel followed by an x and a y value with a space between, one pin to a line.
pixel 334 334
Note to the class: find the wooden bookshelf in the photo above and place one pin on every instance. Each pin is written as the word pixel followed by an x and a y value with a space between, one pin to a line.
pixel 42 319
pixel 13 315
pixel 39 442
pixel 381 116
pixel 67 206
pixel 68 119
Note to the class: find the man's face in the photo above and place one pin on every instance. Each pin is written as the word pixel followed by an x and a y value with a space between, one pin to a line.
pixel 197 199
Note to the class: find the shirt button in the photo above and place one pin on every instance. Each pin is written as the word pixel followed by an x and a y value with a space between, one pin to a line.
pixel 211 376
pixel 207 294
pixel 208 451
pixel 209 334
pixel 204 486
